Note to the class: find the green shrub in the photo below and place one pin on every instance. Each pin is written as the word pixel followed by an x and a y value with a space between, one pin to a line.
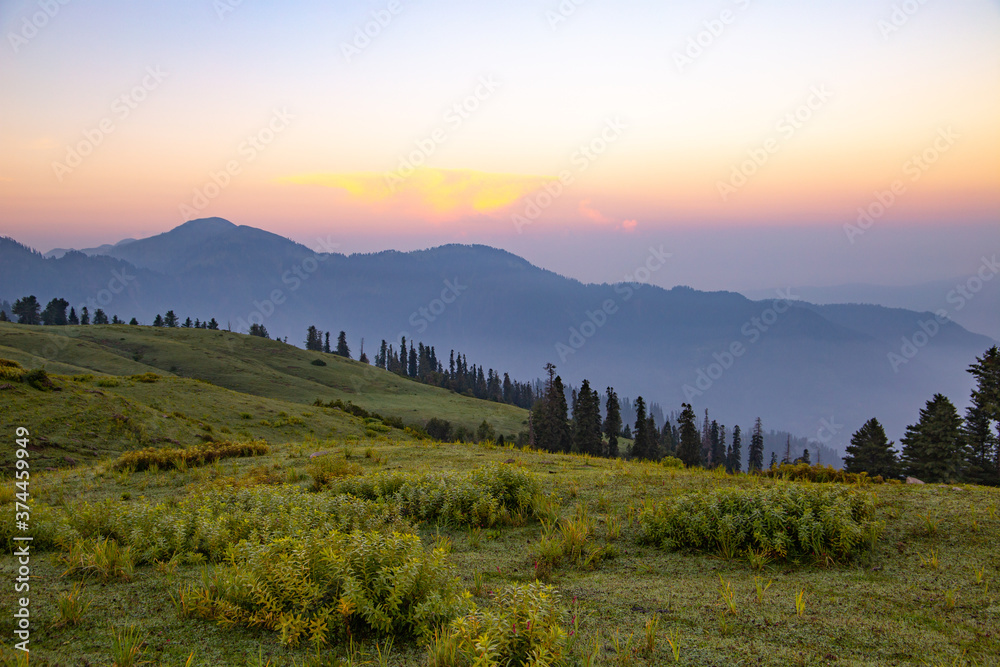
pixel 11 371
pixel 524 626
pixel 326 587
pixel 166 459
pixel 483 497
pixel 804 471
pixel 145 377
pixel 49 529
pixel 782 521
pixel 210 522
pixel 325 469
pixel 318 362
pixel 39 379
pixel 672 462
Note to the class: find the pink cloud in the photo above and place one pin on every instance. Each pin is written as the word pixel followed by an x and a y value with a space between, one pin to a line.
pixel 591 213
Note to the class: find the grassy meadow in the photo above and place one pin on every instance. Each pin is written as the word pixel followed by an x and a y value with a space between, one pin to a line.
pixel 182 554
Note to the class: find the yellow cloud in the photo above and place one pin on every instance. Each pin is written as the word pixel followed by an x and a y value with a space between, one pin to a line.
pixel 437 192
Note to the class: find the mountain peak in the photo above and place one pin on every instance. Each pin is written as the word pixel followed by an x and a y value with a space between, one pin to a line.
pixel 212 225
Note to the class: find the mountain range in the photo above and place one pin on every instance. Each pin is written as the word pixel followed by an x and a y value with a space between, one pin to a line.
pixel 816 370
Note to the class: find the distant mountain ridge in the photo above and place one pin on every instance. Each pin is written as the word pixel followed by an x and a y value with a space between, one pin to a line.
pixel 817 370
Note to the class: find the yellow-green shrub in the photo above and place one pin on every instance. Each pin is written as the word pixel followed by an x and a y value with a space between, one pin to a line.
pixel 324 587
pixel 167 458
pixel 783 521
pixel 804 471
pixel 523 626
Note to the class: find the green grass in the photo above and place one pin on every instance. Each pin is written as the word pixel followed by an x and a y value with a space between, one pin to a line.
pixel 91 598
pixel 249 365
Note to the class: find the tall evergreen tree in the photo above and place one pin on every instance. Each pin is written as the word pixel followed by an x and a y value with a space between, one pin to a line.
pixel 612 421
pixel 27 310
pixel 3 316
pixel 133 322
pixel 72 318
pixel 718 440
pixel 100 317
pixel 756 462
pixel 587 421
pixel 982 422
pixel 729 459
pixel 314 340
pixel 774 460
pixel 84 316
pixel 189 324
pixel 169 320
pixel 212 324
pixel 689 449
pixel 640 444
pixel 706 441
pixel 54 314
pixel 158 320
pixel 326 343
pixel 259 330
pixel 342 349
pixel 870 451
pixel 933 448
pixel 736 462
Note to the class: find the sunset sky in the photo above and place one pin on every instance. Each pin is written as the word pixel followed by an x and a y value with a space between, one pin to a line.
pixel 743 135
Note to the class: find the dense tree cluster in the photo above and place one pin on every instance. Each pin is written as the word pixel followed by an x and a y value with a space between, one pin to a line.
pixel 941 446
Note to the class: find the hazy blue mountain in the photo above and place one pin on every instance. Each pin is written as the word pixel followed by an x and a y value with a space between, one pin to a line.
pixel 817 370
pixel 977 311
pixel 105 249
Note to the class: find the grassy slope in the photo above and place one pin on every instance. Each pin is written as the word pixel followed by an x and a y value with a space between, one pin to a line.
pixel 889 610
pixel 249 365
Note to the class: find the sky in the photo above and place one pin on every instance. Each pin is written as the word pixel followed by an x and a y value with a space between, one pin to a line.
pixel 763 143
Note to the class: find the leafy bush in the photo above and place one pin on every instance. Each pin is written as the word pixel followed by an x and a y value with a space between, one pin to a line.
pixel 804 471
pixel 39 379
pixel 318 362
pixel 782 521
pixel 483 497
pixel 145 377
pixel 165 459
pixel 11 371
pixel 522 627
pixel 210 522
pixel 672 462
pixel 327 587
pixel 326 469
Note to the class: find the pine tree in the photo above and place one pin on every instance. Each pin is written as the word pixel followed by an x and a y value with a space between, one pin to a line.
pixel 212 324
pixel 718 443
pixel 100 317
pixel 54 314
pixel 774 460
pixel 559 418
pixel 188 324
pixel 587 421
pixel 326 343
pixel 3 316
pixel 314 340
pixel 756 462
pixel 870 451
pixel 982 418
pixel 84 316
pixel 158 320
pixel 27 310
pixel 640 444
pixel 933 448
pixel 342 349
pixel 169 320
pixel 729 459
pixel 259 330
pixel 706 441
pixel 133 322
pixel 736 464
pixel 612 421
pixel 689 449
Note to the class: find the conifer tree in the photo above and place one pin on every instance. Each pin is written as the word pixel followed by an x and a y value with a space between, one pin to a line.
pixel 133 322
pixel 158 320
pixel 982 422
pixel 612 421
pixel 756 463
pixel 84 316
pixel 933 448
pixel 736 461
pixel 27 310
pixel 169 320
pixel 689 449
pixel 640 444
pixel 100 317
pixel 870 451
pixel 342 349
pixel 326 343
